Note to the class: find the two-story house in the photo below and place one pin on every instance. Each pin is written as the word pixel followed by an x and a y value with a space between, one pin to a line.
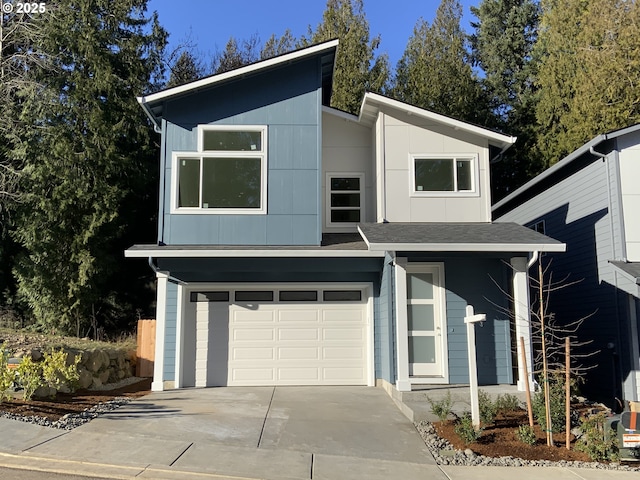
pixel 590 200
pixel 301 245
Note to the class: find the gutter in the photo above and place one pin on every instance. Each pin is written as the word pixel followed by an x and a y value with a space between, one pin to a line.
pixel 156 128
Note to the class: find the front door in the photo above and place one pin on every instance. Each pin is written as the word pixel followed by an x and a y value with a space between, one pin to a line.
pixel 424 321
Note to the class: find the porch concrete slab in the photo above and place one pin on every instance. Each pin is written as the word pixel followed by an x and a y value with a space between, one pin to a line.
pixel 233 416
pixel 122 449
pixel 245 462
pixel 18 436
pixel 331 467
pixel 348 421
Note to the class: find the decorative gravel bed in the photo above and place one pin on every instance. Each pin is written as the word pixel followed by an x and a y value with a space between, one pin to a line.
pixel 445 454
pixel 70 420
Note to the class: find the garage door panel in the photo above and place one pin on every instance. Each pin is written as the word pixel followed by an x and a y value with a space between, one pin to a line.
pixel 341 315
pixel 252 375
pixel 298 353
pixel 253 353
pixel 299 374
pixel 252 315
pixel 343 334
pixel 343 375
pixel 298 316
pixel 342 353
pixel 298 334
pixel 253 334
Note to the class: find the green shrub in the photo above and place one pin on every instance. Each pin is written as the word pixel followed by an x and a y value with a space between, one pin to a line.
pixel 507 403
pixel 487 407
pixel 595 442
pixel 30 377
pixel 466 431
pixel 556 405
pixel 56 372
pixel 7 376
pixel 441 408
pixel 527 435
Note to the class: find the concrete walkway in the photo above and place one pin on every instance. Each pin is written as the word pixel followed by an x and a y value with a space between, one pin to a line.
pixel 282 433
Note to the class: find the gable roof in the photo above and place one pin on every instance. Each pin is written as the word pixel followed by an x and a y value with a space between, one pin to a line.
pixel 153 103
pixel 373 103
pixel 559 168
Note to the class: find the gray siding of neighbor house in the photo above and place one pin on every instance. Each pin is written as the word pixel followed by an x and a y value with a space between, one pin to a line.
pixel 468 281
pixel 291 109
pixel 583 210
pixel 171 314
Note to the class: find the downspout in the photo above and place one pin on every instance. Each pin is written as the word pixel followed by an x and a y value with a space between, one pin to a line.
pixel 171 278
pixel 533 259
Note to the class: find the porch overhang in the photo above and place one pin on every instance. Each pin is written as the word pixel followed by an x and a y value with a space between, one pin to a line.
pixel 630 271
pixel 333 245
pixel 456 237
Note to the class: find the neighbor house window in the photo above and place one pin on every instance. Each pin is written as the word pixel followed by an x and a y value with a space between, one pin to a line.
pixel 443 174
pixel 345 199
pixel 226 175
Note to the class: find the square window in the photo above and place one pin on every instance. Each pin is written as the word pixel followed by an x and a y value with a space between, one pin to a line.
pixel 227 175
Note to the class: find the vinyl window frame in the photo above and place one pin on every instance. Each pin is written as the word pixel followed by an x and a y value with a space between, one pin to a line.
pixel 454 157
pixel 260 154
pixel 343 226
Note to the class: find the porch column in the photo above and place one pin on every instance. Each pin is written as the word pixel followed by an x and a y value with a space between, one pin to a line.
pixel 202 343
pixel 522 316
pixel 162 279
pixel 402 342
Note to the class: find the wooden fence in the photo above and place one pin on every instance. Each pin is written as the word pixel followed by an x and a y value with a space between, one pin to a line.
pixel 146 348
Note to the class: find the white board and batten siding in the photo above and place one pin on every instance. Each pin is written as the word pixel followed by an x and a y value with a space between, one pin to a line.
pixel 629 148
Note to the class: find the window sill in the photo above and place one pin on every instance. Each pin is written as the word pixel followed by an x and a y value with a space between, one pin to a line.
pixel 218 211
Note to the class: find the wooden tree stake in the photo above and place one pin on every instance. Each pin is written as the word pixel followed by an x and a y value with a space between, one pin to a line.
pixel 526 381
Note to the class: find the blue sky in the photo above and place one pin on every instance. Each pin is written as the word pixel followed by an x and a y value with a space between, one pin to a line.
pixel 210 23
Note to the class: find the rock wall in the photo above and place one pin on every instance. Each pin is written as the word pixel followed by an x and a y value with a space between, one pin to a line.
pixel 97 367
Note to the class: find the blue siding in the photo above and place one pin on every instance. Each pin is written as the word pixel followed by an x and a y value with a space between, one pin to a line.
pixel 291 109
pixel 171 314
pixel 384 326
pixel 468 281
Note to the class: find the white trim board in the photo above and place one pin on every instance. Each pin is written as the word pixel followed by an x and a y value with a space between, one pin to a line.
pixel 159 252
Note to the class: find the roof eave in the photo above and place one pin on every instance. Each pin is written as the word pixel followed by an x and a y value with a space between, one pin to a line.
pixel 468 247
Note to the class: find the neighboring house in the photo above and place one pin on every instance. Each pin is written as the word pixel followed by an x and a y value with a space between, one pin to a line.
pixel 301 245
pixel 590 200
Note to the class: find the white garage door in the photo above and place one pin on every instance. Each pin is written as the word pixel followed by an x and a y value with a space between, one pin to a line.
pixel 323 343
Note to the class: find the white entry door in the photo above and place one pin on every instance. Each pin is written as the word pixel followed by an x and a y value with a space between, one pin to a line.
pixel 424 321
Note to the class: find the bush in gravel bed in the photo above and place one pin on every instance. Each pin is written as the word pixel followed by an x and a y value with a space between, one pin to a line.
pixel 7 375
pixel 441 408
pixel 488 409
pixel 465 429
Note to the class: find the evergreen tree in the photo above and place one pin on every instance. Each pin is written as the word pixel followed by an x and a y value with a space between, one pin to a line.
pixel 275 46
pixel 89 163
pixel 502 46
pixel 186 69
pixel 435 70
pixel 590 72
pixel 235 56
pixel 357 68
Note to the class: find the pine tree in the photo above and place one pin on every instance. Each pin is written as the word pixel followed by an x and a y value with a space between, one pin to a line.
pixel 589 74
pixel 275 46
pixel 502 46
pixel 435 70
pixel 357 68
pixel 89 162
pixel 186 69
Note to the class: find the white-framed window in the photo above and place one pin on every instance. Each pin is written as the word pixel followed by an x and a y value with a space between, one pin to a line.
pixel 227 174
pixel 444 175
pixel 344 199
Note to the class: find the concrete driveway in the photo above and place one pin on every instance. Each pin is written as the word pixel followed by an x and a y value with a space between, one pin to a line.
pixel 256 432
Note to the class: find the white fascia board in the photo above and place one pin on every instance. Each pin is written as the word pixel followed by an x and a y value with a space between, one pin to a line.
pixel 436 117
pixel 239 72
pixel 249 253
pixel 339 113
pixel 467 247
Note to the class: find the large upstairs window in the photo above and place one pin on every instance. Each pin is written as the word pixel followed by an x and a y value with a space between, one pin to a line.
pixel 443 175
pixel 226 175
